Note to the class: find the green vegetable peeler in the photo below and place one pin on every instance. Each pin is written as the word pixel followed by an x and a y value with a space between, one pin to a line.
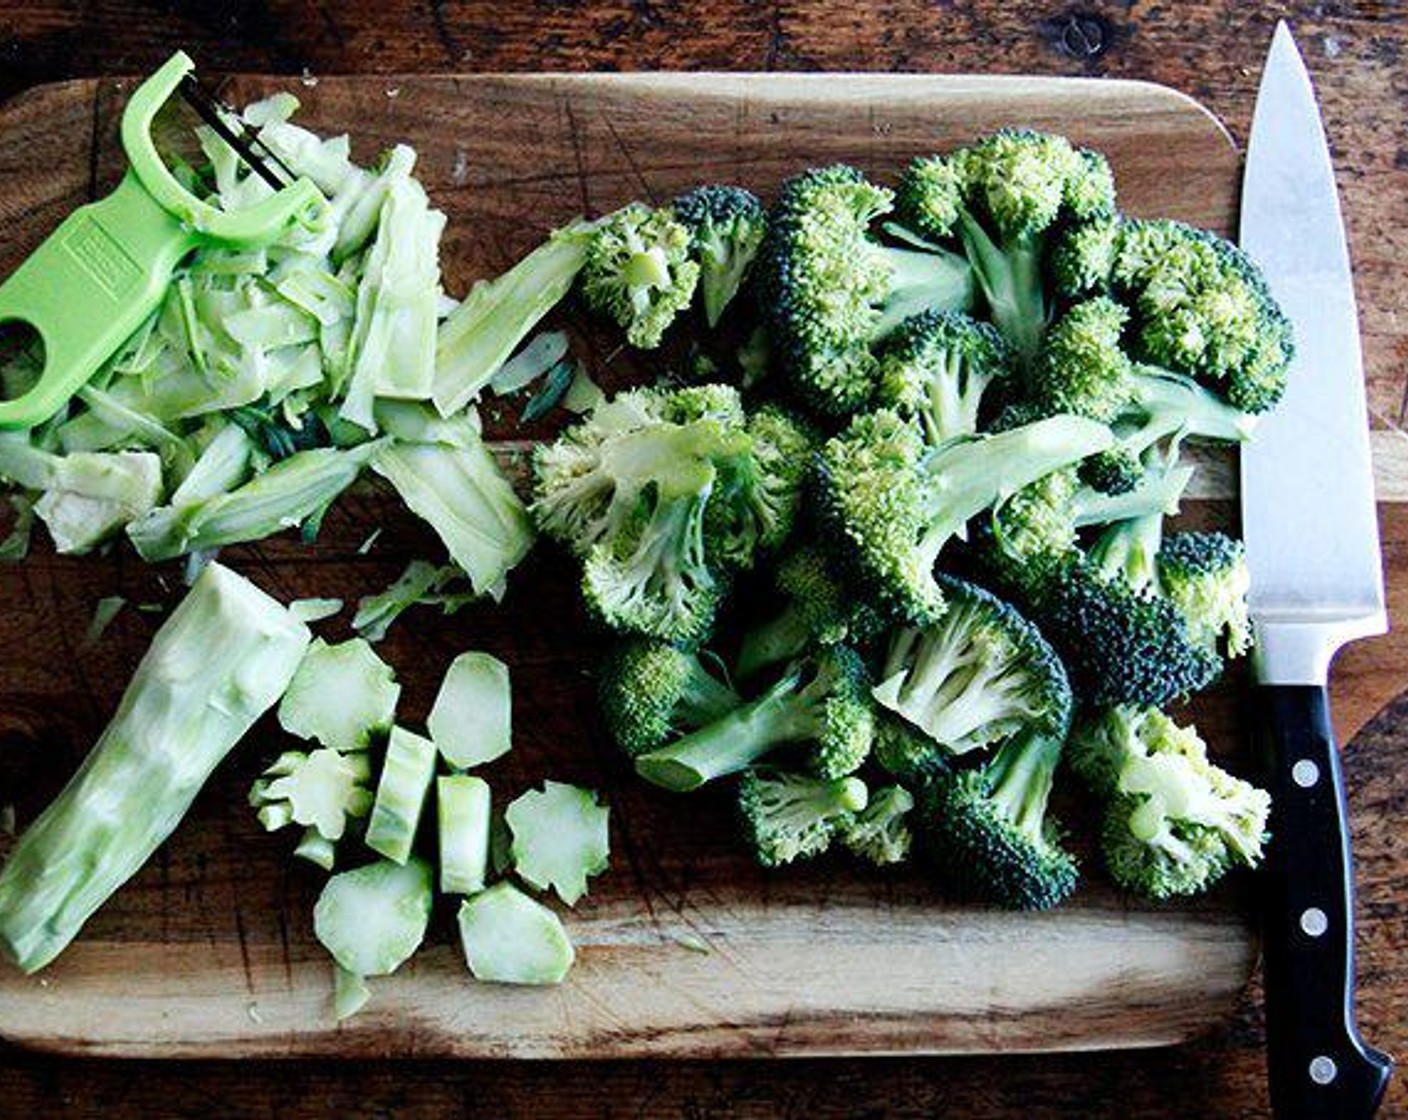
pixel 97 277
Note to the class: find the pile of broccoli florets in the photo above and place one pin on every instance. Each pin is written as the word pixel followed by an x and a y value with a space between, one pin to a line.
pixel 906 550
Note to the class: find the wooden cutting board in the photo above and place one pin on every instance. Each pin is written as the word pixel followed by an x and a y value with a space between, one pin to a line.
pixel 685 948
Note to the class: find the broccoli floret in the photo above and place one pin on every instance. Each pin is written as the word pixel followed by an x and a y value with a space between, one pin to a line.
pixel 627 489
pixel 936 367
pixel 880 832
pixel 892 503
pixel 756 502
pixel 989 831
pixel 652 692
pixel 822 702
pixel 1206 577
pixel 787 817
pixel 831 289
pixel 906 753
pixel 1174 821
pixel 1003 198
pixel 978 674
pixel 638 271
pixel 1198 305
pixel 726 227
pixel 820 610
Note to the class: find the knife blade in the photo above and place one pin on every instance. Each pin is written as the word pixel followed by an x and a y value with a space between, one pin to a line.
pixel 1311 531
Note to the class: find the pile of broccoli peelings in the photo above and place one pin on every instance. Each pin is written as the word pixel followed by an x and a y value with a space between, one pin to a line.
pixel 935 429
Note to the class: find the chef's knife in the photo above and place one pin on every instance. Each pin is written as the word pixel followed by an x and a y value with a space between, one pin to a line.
pixel 1317 582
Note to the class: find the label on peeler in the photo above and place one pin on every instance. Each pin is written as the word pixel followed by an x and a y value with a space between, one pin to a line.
pixel 101 257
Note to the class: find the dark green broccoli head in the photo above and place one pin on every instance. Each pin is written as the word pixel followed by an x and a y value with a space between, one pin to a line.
pixel 726 226
pixel 978 674
pixel 1205 575
pixel 989 831
pixel 906 753
pixel 831 289
pixel 880 832
pixel 638 271
pixel 653 691
pixel 786 817
pixel 892 503
pixel 937 366
pixel 1174 821
pixel 1116 471
pixel 1120 645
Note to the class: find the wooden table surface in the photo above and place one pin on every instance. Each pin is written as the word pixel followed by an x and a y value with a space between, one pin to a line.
pixel 1213 51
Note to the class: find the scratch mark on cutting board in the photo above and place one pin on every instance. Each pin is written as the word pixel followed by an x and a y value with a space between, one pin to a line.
pixel 630 159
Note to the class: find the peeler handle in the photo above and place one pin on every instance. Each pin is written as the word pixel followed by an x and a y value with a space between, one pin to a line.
pixel 87 287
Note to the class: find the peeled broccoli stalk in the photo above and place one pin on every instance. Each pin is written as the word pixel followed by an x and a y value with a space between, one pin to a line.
pixel 880 832
pixel 217 664
pixel 371 919
pixel 465 498
pixel 294 491
pixel 343 696
pixel 406 773
pixel 652 691
pixel 471 720
pixel 787 817
pixel 560 838
pixel 480 334
pixel 463 815
pixel 820 701
pixel 977 675
pixel 990 831
pixel 509 938
pixel 320 790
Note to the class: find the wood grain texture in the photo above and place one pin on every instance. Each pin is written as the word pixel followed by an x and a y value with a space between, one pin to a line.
pixel 1210 48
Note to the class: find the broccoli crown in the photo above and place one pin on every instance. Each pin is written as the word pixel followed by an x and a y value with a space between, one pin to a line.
pixel 1174 820
pixel 1083 258
pixel 756 507
pixel 726 226
pixel 880 832
pixel 1116 471
pixel 627 489
pixel 906 753
pixel 1003 198
pixel 831 289
pixel 1081 367
pixel 989 830
pixel 652 691
pixel 936 367
pixel 892 502
pixel 638 271
pixel 821 702
pixel 1205 575
pixel 1119 645
pixel 1198 304
pixel 786 817
pixel 978 674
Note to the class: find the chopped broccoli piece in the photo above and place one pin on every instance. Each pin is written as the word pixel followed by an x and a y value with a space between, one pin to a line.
pixel 989 829
pixel 880 832
pixel 1175 822
pixel 509 938
pixel 832 289
pixel 471 720
pixel 320 789
pixel 652 692
pixel 787 817
pixel 406 774
pixel 821 701
pixel 638 271
pixel 977 675
pixel 726 227
pixel 1003 198
pixel 343 696
pixel 1205 576
pixel 463 818
pixel 892 502
pixel 560 837
pixel 937 366
pixel 755 503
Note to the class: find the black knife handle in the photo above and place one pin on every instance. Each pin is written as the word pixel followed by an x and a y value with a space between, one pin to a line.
pixel 1319 1067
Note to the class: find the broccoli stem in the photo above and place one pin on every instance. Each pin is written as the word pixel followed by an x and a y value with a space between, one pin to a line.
pixel 1127 550
pixel 1157 493
pixel 782 715
pixel 1010 276
pixel 920 281
pixel 704 698
pixel 648 269
pixel 1022 772
pixel 775 641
